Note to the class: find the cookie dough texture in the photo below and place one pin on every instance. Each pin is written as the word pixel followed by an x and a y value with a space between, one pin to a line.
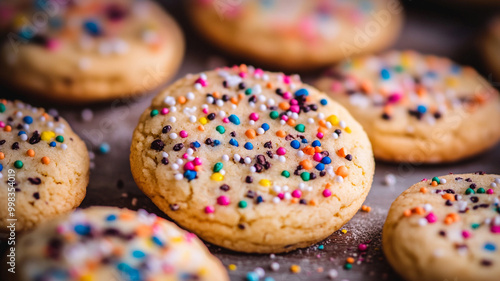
pixel 104 243
pixel 239 196
pixel 98 50
pixel 297 35
pixel 417 108
pixel 42 191
pixel 446 233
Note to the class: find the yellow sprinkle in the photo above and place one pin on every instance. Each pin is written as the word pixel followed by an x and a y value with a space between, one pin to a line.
pixel 203 120
pixel 217 177
pixel 86 277
pixel 48 135
pixel 348 130
pixel 203 271
pixel 232 267
pixel 344 231
pixel 451 82
pixel 177 239
pixel 333 119
pixel 295 268
pixel 265 182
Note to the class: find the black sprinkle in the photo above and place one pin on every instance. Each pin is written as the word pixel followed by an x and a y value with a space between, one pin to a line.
pixel 15 146
pixel 35 138
pixel 174 207
pixel 348 157
pixel 157 145
pixel 36 195
pixel 211 116
pixel 225 187
pixel 166 129
pixel 178 147
pixel 268 145
pixel 164 161
pixel 35 181
pixel 248 179
pixel 2 142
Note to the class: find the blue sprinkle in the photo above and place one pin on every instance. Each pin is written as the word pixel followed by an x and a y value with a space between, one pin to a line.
pixel 260 199
pixel 21 133
pixel 196 144
pixel 321 247
pixel 190 175
pixel 490 247
pixel 53 144
pixel 302 92
pixel 92 28
pixel 304 141
pixel 456 69
pixel 249 146
pixel 316 143
pixel 295 144
pixel 157 241
pixel 252 276
pixel 431 74
pixel 385 74
pixel 320 167
pixel 233 142
pixel 130 273
pixel 82 229
pixel 265 126
pixel 216 142
pixel 104 148
pixel 1 167
pixel 269 278
pixel 323 102
pixel 326 160
pixel 25 33
pixel 234 119
pixel 422 109
pixel 138 254
pixel 28 119
pixel 111 218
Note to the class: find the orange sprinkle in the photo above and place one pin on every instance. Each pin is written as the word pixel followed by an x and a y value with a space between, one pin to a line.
pixel 312 202
pixel 407 213
pixel 434 183
pixel 234 100
pixel 182 99
pixel 350 260
pixel 448 196
pixel 216 94
pixel 284 106
pixel 309 150
pixel 46 160
pixel 327 185
pixel 322 123
pixel 341 152
pixel 201 128
pixel 269 85
pixel 30 153
pixel 366 86
pixel 291 122
pixel 281 134
pixel 365 208
pixel 7 128
pixel 322 130
pixel 342 171
pixel 306 164
pixel 294 200
pixel 318 149
pixel 250 133
pixel 243 68
pixel 143 231
pixel 423 190
pixel 127 215
pixel 241 96
pixel 2 155
pixel 419 210
pixel 198 168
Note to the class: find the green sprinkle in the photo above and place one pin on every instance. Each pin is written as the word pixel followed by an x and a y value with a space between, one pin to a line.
pixel 481 190
pixel 248 91
pixel 217 167
pixel 242 204
pixel 2 108
pixel 274 114
pixel 305 176
pixel 436 179
pixel 469 191
pixel 60 138
pixel 398 68
pixel 154 112
pixel 285 173
pixel 220 129
pixel 300 127
pixel 475 225
pixel 18 164
pixel 348 266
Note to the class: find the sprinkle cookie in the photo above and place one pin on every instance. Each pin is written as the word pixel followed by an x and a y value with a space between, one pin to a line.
pixel 104 243
pixel 251 160
pixel 44 166
pixel 296 34
pixel 417 108
pixel 89 51
pixel 446 228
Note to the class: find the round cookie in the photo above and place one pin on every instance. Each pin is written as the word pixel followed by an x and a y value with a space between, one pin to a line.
pixel 446 228
pixel 44 166
pixel 86 51
pixel 489 48
pixel 104 243
pixel 251 160
pixel 298 35
pixel 417 108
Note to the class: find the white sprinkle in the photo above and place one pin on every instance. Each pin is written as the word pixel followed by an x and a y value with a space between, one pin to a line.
pixel 236 157
pixel 272 256
pixel 301 186
pixel 274 265
pixel 493 185
pixel 198 86
pixel 342 124
pixel 190 151
pixel 251 122
pixel 328 125
pixel 173 136
pixel 288 196
pixel 260 131
pixel 322 116
pixel 390 180
pixel 427 207
pixel 172 119
pixel 19 114
pixel 332 274
pixel 175 166
pixel 271 102
pixel 442 181
pixel 24 137
pixel 190 96
pixel 252 104
pixel 260 272
pixel 265 77
pixel 179 177
pixel 277 188
pixel 335 135
pixel 210 100
pixel 64 146
pixel 253 169
pixel 204 106
pixel 497 180
pixel 179 161
pixel 222 113
pixel 191 158
pixel 87 115
pixel 225 158
pixel 233 106
pixel 192 118
pixel 219 103
pixel 248 160
pixel 222 172
pixel 282 122
pixel 286 188
pixel 300 153
pixel 339 179
pixel 262 107
pixel 263 98
pixel 310 120
pixel 422 221
pixel 164 154
pixel 276 200
pixel 282 159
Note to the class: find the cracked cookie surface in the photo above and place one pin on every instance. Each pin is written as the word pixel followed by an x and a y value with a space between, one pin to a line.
pixel 446 228
pixel 48 162
pixel 251 160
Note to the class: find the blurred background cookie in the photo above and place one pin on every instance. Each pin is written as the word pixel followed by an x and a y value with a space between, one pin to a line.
pixel 297 35
pixel 44 166
pixel 85 51
pixel 105 243
pixel 417 108
pixel 490 47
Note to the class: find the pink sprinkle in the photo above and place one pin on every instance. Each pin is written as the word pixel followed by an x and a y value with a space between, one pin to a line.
pixel 294 102
pixel 296 193
pixel 185 156
pixel 202 82
pixel 317 157
pixel 327 193
pixel 320 135
pixel 60 229
pixel 205 110
pixel 223 200
pixel 197 161
pixel 284 117
pixel 2 124
pixel 258 72
pixel 362 247
pixel 254 116
pixel 336 86
pixel 281 195
pixel 394 98
pixel 225 120
pixel 209 209
pixel 431 218
pixel 495 228
pixel 281 151
pixel 287 79
pixel 53 44
pixel 242 74
pixel 295 108
pixel 183 134
pixel 165 111
pixel 424 179
pixel 190 236
pixel 490 191
pixel 287 95
pixel 466 234
pixel 189 166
